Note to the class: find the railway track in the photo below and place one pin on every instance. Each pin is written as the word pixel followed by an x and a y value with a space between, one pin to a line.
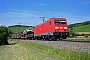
pixel 68 39
pixel 78 45
pixel 76 40
pixel 71 40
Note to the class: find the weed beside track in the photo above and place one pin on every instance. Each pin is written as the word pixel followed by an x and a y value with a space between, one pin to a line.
pixel 21 50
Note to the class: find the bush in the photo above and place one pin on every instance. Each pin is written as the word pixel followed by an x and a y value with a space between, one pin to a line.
pixel 4 34
pixel 86 36
pixel 72 34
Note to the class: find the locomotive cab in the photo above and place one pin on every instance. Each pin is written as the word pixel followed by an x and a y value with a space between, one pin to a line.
pixel 61 28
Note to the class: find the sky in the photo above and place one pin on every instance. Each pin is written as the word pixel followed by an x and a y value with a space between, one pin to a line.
pixel 28 12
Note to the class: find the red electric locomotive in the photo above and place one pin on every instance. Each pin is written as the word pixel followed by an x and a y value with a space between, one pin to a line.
pixel 53 29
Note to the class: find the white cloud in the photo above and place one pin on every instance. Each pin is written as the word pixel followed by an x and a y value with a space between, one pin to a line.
pixel 77 19
pixel 70 17
pixel 85 2
pixel 54 0
pixel 21 11
pixel 32 17
pixel 18 16
pixel 42 4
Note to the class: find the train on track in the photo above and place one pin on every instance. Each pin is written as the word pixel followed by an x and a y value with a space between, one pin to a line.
pixel 53 29
pixel 27 34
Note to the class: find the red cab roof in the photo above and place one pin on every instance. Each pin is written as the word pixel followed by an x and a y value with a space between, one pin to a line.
pixel 58 18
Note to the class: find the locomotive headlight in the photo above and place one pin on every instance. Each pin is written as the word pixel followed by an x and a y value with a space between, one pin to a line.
pixel 56 27
pixel 61 27
pixel 65 28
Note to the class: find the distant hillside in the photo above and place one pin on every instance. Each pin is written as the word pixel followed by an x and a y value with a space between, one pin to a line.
pixel 19 28
pixel 79 24
pixel 85 28
pixel 80 27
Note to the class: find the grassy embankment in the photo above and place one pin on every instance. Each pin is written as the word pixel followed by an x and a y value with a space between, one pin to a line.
pixel 81 31
pixel 85 28
pixel 31 51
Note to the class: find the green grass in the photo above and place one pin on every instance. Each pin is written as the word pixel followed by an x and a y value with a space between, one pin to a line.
pixel 2 48
pixel 85 28
pixel 60 53
pixel 21 51
pixel 31 51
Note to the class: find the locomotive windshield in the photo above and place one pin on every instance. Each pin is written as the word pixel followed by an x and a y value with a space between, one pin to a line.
pixel 60 21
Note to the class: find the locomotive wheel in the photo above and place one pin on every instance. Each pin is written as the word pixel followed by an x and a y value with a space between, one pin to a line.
pixel 52 38
pixel 46 37
pixel 64 37
pixel 38 38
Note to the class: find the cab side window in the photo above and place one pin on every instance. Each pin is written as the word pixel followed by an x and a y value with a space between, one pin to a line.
pixel 50 22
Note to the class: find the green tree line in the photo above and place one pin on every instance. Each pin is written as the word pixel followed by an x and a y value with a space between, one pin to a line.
pixel 4 34
pixel 79 24
pixel 20 26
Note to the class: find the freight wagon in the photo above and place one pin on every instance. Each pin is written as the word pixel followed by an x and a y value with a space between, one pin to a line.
pixel 27 34
pixel 53 29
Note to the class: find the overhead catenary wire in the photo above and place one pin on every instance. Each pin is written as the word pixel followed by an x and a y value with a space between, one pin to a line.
pixel 71 10
pixel 60 4
pixel 79 7
pixel 57 6
pixel 68 6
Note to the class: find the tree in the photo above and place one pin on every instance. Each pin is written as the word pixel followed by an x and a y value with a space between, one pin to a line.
pixel 4 34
